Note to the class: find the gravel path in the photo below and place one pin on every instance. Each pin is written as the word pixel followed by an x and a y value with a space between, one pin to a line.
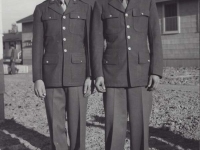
pixel 174 121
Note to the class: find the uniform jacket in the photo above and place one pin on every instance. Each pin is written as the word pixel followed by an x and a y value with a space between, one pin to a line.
pixel 126 61
pixel 61 43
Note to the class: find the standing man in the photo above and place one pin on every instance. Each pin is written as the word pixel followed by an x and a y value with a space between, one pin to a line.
pixel 61 67
pixel 13 57
pixel 126 70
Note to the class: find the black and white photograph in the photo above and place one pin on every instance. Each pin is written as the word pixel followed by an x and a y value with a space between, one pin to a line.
pixel 99 74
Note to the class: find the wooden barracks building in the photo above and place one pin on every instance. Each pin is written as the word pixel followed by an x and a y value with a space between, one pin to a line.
pixel 179 22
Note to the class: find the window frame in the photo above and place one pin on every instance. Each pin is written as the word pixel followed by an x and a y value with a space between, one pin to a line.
pixel 28 43
pixel 178 19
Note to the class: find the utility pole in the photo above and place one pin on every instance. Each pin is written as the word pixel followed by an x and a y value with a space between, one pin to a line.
pixel 2 86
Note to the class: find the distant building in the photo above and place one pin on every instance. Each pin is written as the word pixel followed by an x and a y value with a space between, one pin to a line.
pixel 27 36
pixel 12 39
pixel 179 22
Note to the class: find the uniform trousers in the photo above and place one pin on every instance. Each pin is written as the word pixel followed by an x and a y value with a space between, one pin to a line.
pixel 137 102
pixel 58 101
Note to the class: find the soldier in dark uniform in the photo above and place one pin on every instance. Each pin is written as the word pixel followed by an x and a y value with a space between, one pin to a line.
pixel 128 69
pixel 61 67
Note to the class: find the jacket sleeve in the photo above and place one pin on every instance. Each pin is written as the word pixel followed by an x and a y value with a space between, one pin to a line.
pixel 97 45
pixel 155 44
pixel 38 47
pixel 88 45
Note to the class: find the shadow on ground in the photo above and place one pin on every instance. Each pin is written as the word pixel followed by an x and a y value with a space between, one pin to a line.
pixel 160 138
pixel 28 135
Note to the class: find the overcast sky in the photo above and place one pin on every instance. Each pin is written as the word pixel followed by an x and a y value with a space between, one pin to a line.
pixel 14 10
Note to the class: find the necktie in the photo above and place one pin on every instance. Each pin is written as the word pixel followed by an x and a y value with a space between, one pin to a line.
pixel 63 5
pixel 124 3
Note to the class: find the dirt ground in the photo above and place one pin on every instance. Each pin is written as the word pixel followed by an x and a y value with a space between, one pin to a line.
pixel 174 122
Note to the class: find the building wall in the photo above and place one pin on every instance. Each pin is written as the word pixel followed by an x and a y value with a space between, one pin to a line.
pixel 27 50
pixel 27 27
pixel 182 49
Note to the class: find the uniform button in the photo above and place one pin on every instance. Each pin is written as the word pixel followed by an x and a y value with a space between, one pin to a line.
pixel 128 26
pixel 128 37
pixel 64 28
pixel 129 48
pixel 49 17
pixel 47 61
pixel 142 13
pixel 81 61
pixel 106 62
pixel 64 17
pixel 148 60
pixel 65 50
pixel 126 15
pixel 78 16
pixel 110 16
pixel 64 39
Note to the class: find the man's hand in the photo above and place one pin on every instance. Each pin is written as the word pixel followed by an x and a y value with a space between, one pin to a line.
pixel 39 89
pixel 87 87
pixel 100 84
pixel 153 82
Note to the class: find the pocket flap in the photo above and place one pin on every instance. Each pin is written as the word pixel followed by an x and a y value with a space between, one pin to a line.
pixel 109 16
pixel 78 58
pixel 110 59
pixel 76 15
pixel 138 12
pixel 48 17
pixel 50 59
pixel 144 57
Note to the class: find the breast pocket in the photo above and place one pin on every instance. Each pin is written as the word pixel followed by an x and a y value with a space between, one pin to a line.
pixel 111 23
pixel 140 20
pixel 51 26
pixel 77 22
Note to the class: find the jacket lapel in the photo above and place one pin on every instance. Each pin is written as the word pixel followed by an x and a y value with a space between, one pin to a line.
pixel 53 4
pixel 117 4
pixel 132 4
pixel 71 6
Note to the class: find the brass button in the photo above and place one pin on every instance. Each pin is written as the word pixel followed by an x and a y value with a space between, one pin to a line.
pixel 128 37
pixel 65 50
pixel 64 17
pixel 78 16
pixel 129 48
pixel 126 15
pixel 49 17
pixel 64 28
pixel 128 26
pixel 148 60
pixel 142 13
pixel 64 39
pixel 47 61
pixel 110 16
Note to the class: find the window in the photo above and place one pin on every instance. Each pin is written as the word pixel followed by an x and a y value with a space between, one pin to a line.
pixel 28 43
pixel 171 19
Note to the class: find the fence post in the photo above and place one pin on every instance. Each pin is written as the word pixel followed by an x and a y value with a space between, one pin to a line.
pixel 2 86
